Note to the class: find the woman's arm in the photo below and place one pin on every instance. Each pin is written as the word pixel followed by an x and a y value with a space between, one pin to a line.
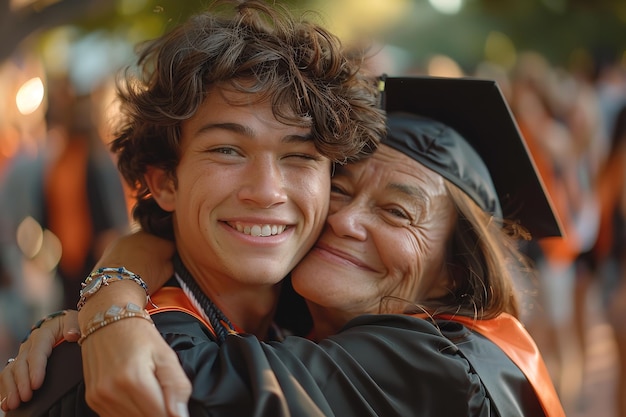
pixel 128 367
pixel 129 354
pixel 379 365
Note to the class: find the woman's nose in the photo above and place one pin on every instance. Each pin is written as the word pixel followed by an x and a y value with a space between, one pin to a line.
pixel 349 220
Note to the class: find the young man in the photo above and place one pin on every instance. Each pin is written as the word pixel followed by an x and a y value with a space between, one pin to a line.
pixel 230 130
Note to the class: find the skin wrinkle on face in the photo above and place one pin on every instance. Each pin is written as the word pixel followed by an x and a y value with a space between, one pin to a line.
pixel 240 165
pixel 389 223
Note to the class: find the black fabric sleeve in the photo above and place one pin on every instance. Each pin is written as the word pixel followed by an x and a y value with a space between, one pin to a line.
pixel 377 366
pixel 63 391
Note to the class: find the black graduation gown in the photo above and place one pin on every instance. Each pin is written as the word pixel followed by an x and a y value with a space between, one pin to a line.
pixel 378 365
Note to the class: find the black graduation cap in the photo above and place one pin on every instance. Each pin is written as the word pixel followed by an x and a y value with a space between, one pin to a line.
pixel 476 109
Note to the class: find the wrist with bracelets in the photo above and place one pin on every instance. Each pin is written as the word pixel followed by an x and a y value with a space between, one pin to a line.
pixel 103 277
pixel 113 314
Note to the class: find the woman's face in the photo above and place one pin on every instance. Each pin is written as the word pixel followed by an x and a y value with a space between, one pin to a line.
pixel 250 195
pixel 389 222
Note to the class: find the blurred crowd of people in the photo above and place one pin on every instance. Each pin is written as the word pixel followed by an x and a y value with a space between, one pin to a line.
pixel 574 120
pixel 61 197
pixel 62 200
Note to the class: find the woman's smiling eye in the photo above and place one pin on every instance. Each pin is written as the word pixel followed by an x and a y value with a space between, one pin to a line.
pixel 334 188
pixel 398 213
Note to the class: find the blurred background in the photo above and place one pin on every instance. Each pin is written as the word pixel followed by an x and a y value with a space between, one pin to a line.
pixel 561 64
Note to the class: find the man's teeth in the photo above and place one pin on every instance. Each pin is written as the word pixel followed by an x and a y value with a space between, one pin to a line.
pixel 261 230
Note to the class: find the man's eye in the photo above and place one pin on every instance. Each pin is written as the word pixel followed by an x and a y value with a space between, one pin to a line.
pixel 305 156
pixel 225 151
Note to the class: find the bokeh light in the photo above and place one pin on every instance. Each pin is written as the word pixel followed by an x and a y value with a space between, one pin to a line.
pixel 30 96
pixel 447 6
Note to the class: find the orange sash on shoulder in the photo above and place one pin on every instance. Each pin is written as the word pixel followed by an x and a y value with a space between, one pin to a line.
pixel 506 332
pixel 174 299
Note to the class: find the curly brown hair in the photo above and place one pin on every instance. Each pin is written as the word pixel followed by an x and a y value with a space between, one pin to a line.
pixel 303 69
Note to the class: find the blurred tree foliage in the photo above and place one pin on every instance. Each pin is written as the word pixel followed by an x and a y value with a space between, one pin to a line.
pixel 556 28
pixel 154 16
pixel 562 30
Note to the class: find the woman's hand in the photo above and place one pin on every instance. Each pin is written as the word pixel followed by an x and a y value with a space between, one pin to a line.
pixel 26 372
pixel 128 368
pixel 138 375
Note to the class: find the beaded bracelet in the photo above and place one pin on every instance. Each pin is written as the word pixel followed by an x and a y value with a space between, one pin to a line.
pixel 104 276
pixel 113 314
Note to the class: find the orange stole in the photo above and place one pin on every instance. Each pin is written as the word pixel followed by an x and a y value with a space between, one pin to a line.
pixel 174 299
pixel 510 335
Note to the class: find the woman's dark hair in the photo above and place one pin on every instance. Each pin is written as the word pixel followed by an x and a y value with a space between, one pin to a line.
pixel 301 68
pixel 483 260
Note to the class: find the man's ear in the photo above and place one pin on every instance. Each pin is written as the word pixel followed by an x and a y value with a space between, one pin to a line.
pixel 162 187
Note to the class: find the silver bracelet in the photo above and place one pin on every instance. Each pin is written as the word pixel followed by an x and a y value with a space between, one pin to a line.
pixel 113 314
pixel 104 276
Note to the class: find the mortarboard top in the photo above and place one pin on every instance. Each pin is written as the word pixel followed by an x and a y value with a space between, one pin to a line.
pixel 476 109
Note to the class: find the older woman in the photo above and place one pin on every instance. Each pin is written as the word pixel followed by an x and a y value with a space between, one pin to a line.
pixel 410 285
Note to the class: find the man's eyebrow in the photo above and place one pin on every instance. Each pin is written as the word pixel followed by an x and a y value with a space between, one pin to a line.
pixel 234 127
pixel 246 131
